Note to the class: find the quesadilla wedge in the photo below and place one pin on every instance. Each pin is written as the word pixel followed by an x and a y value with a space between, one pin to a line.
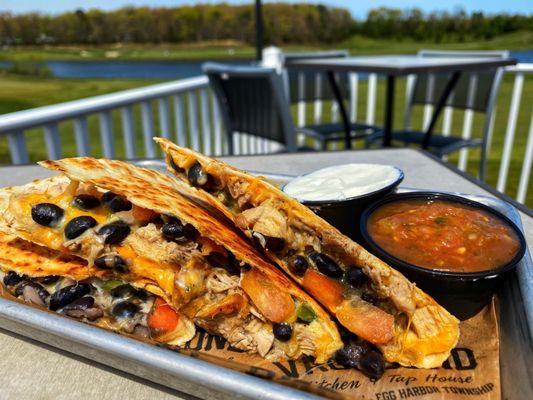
pixel 369 298
pixel 49 279
pixel 132 224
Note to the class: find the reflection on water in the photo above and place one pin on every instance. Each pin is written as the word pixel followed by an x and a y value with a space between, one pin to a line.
pixel 157 69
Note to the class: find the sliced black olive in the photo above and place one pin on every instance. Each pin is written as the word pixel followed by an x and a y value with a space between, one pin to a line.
pixel 83 307
pixel 32 292
pixel 355 276
pixel 76 226
pixel 86 201
pixel 326 265
pixel 115 232
pixel 372 364
pixel 369 298
pixel 68 294
pixel 115 202
pixel 196 175
pixel 47 214
pixel 111 261
pixel 12 278
pixel 298 265
pixel 283 331
pixel 268 242
pixel 174 166
pixel 176 231
pixel 48 280
pixel 125 309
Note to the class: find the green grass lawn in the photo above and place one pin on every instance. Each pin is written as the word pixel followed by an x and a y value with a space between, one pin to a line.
pixel 24 92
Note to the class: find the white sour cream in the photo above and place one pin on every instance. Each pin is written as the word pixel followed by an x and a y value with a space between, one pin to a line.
pixel 341 182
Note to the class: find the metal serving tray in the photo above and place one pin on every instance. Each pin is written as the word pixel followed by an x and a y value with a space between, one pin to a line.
pixel 206 380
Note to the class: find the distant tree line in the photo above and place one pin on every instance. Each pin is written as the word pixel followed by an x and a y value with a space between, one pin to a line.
pixel 284 24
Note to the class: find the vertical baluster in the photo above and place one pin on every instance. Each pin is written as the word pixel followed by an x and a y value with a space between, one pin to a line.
pixel 490 132
pixel 447 121
pixel 82 136
pixel 128 131
pixel 206 126
pixel 106 133
pixel 526 166
pixel 334 104
pixel 252 143
pixel 428 107
pixel 217 123
pixel 236 143
pixel 354 86
pixel 164 118
pixel 179 116
pixel 301 99
pixel 53 142
pixel 409 86
pixel 318 98
pixel 148 128
pixel 371 99
pixel 17 147
pixel 193 121
pixel 510 132
pixel 468 120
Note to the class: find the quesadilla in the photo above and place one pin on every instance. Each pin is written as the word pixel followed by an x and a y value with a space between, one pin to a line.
pixel 369 298
pixel 134 226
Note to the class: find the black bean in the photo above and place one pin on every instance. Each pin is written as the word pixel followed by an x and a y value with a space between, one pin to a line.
pixel 48 280
pixel 283 331
pixel 86 201
pixel 12 278
pixel 326 265
pixel 369 298
pixel 76 226
pixel 372 364
pixel 115 202
pixel 111 261
pixel 350 355
pixel 47 214
pixel 355 276
pixel 68 294
pixel 83 308
pixel 196 175
pixel 229 263
pixel 125 290
pixel 268 242
pixel 176 231
pixel 175 166
pixel 125 309
pixel 115 232
pixel 39 289
pixel 298 265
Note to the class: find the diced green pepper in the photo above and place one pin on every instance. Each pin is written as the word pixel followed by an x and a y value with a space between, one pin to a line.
pixel 305 313
pixel 111 284
pixel 440 220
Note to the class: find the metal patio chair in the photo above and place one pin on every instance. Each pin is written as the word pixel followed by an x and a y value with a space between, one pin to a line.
pixel 475 91
pixel 309 86
pixel 252 101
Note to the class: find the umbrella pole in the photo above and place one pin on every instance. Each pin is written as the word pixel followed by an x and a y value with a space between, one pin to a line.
pixel 258 31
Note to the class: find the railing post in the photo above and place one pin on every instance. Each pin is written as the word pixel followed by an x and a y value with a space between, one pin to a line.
pixel 128 131
pixel 148 128
pixel 106 134
pixel 52 141
pixel 526 167
pixel 82 136
pixel 509 133
pixel 17 147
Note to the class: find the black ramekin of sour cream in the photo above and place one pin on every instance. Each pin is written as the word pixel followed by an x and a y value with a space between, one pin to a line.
pixel 340 193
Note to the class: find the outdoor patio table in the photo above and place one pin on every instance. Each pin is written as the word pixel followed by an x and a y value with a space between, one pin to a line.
pixel 33 370
pixel 393 66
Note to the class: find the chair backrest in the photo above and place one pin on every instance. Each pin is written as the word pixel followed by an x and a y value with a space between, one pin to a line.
pixel 308 85
pixel 252 101
pixel 474 90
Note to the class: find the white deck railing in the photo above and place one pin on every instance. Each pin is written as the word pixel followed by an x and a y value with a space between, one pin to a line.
pixel 188 114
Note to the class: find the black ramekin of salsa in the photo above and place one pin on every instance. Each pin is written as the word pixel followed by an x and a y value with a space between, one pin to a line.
pixel 455 249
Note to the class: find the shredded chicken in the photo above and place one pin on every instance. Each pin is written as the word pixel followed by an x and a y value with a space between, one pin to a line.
pixel 264 219
pixel 219 281
pixel 150 243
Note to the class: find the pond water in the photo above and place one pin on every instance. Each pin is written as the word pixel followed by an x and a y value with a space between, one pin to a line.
pixel 158 69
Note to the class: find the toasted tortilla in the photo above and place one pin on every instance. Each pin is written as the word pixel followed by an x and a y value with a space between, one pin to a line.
pixel 164 195
pixel 430 333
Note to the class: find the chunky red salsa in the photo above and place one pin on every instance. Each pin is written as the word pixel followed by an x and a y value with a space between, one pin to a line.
pixel 443 235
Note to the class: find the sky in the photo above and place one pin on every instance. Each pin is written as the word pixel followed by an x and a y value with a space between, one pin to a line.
pixel 358 8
